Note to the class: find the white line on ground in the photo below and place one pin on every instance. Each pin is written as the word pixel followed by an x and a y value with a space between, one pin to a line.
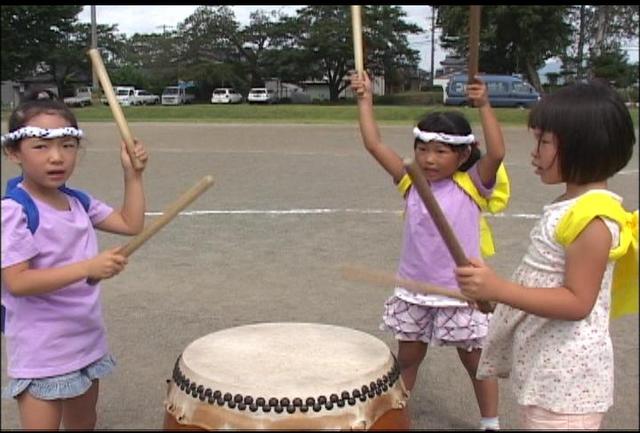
pixel 317 211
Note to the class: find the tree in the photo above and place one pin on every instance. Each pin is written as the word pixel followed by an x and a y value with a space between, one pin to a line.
pixel 30 34
pixel 512 39
pixel 155 55
pixel 612 65
pixel 386 45
pixel 324 37
pixel 208 44
pixel 604 29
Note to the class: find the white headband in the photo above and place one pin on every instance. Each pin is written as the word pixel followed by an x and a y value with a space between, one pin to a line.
pixel 442 137
pixel 47 134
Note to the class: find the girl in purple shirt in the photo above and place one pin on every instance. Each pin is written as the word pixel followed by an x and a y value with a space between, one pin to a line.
pixel 446 151
pixel 56 340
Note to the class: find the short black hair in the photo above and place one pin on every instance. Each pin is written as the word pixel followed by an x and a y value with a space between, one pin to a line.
pixel 34 103
pixel 594 130
pixel 454 123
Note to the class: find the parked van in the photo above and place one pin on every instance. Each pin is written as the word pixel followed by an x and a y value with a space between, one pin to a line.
pixel 177 95
pixel 504 91
pixel 125 95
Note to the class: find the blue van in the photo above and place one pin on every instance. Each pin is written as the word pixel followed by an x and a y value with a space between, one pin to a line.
pixel 504 91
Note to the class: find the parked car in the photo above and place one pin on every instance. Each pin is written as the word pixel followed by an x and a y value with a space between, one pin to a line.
pixel 261 95
pixel 142 97
pixel 226 95
pixel 504 91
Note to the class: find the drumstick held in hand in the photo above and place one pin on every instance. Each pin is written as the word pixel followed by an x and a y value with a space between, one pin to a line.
pixel 116 110
pixel 372 276
pixel 170 213
pixel 474 41
pixel 449 238
pixel 356 27
pixel 182 202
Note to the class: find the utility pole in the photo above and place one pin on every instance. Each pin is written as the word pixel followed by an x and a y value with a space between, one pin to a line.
pixel 433 25
pixel 94 45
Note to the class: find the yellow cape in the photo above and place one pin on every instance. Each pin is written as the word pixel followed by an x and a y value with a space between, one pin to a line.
pixel 624 288
pixel 495 203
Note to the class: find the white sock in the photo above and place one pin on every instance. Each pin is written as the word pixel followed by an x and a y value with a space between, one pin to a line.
pixel 489 423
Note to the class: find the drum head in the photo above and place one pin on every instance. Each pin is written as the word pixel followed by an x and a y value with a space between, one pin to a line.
pixel 301 369
pixel 287 359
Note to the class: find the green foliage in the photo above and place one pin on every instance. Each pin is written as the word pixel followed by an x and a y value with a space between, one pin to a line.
pixel 30 34
pixel 411 98
pixel 514 40
pixel 612 65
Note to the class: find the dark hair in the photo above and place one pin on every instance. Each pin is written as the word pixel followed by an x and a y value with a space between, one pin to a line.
pixel 594 130
pixel 454 123
pixel 34 103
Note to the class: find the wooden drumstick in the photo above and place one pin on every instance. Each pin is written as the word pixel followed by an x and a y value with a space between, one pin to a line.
pixel 356 26
pixel 474 41
pixel 182 202
pixel 118 115
pixel 372 276
pixel 449 238
pixel 170 213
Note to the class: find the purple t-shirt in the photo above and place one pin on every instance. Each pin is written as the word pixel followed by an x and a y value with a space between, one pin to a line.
pixel 425 256
pixel 63 330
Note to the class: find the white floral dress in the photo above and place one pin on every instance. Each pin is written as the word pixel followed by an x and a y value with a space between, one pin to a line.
pixel 559 365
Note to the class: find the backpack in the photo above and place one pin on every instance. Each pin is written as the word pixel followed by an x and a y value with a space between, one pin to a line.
pixel 15 193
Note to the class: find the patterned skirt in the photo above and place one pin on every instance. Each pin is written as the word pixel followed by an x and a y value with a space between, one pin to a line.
pixel 462 327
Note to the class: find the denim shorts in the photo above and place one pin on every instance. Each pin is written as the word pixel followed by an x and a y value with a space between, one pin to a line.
pixel 66 385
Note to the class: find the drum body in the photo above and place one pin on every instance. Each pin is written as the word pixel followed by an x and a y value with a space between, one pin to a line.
pixel 286 376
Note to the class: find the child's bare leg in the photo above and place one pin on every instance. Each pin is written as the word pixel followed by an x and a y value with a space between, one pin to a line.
pixel 410 355
pixel 37 414
pixel 79 413
pixel 486 390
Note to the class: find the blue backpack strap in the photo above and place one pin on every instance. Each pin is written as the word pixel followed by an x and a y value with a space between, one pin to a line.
pixel 13 182
pixel 21 196
pixel 24 199
pixel 82 196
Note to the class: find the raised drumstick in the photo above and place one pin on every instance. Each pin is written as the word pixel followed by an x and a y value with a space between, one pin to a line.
pixel 372 276
pixel 118 115
pixel 474 41
pixel 449 238
pixel 356 27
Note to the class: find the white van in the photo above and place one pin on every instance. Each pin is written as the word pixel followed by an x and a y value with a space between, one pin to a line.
pixel 126 96
pixel 177 95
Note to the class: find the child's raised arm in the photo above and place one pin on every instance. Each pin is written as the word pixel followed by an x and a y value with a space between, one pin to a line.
pixel 129 219
pixel 490 161
pixel 387 157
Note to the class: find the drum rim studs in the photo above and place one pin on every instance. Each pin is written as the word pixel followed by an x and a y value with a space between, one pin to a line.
pixel 241 402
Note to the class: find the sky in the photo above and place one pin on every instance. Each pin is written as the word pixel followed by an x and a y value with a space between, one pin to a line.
pixel 151 19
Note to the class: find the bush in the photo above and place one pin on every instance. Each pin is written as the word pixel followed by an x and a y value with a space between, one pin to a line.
pixel 433 97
